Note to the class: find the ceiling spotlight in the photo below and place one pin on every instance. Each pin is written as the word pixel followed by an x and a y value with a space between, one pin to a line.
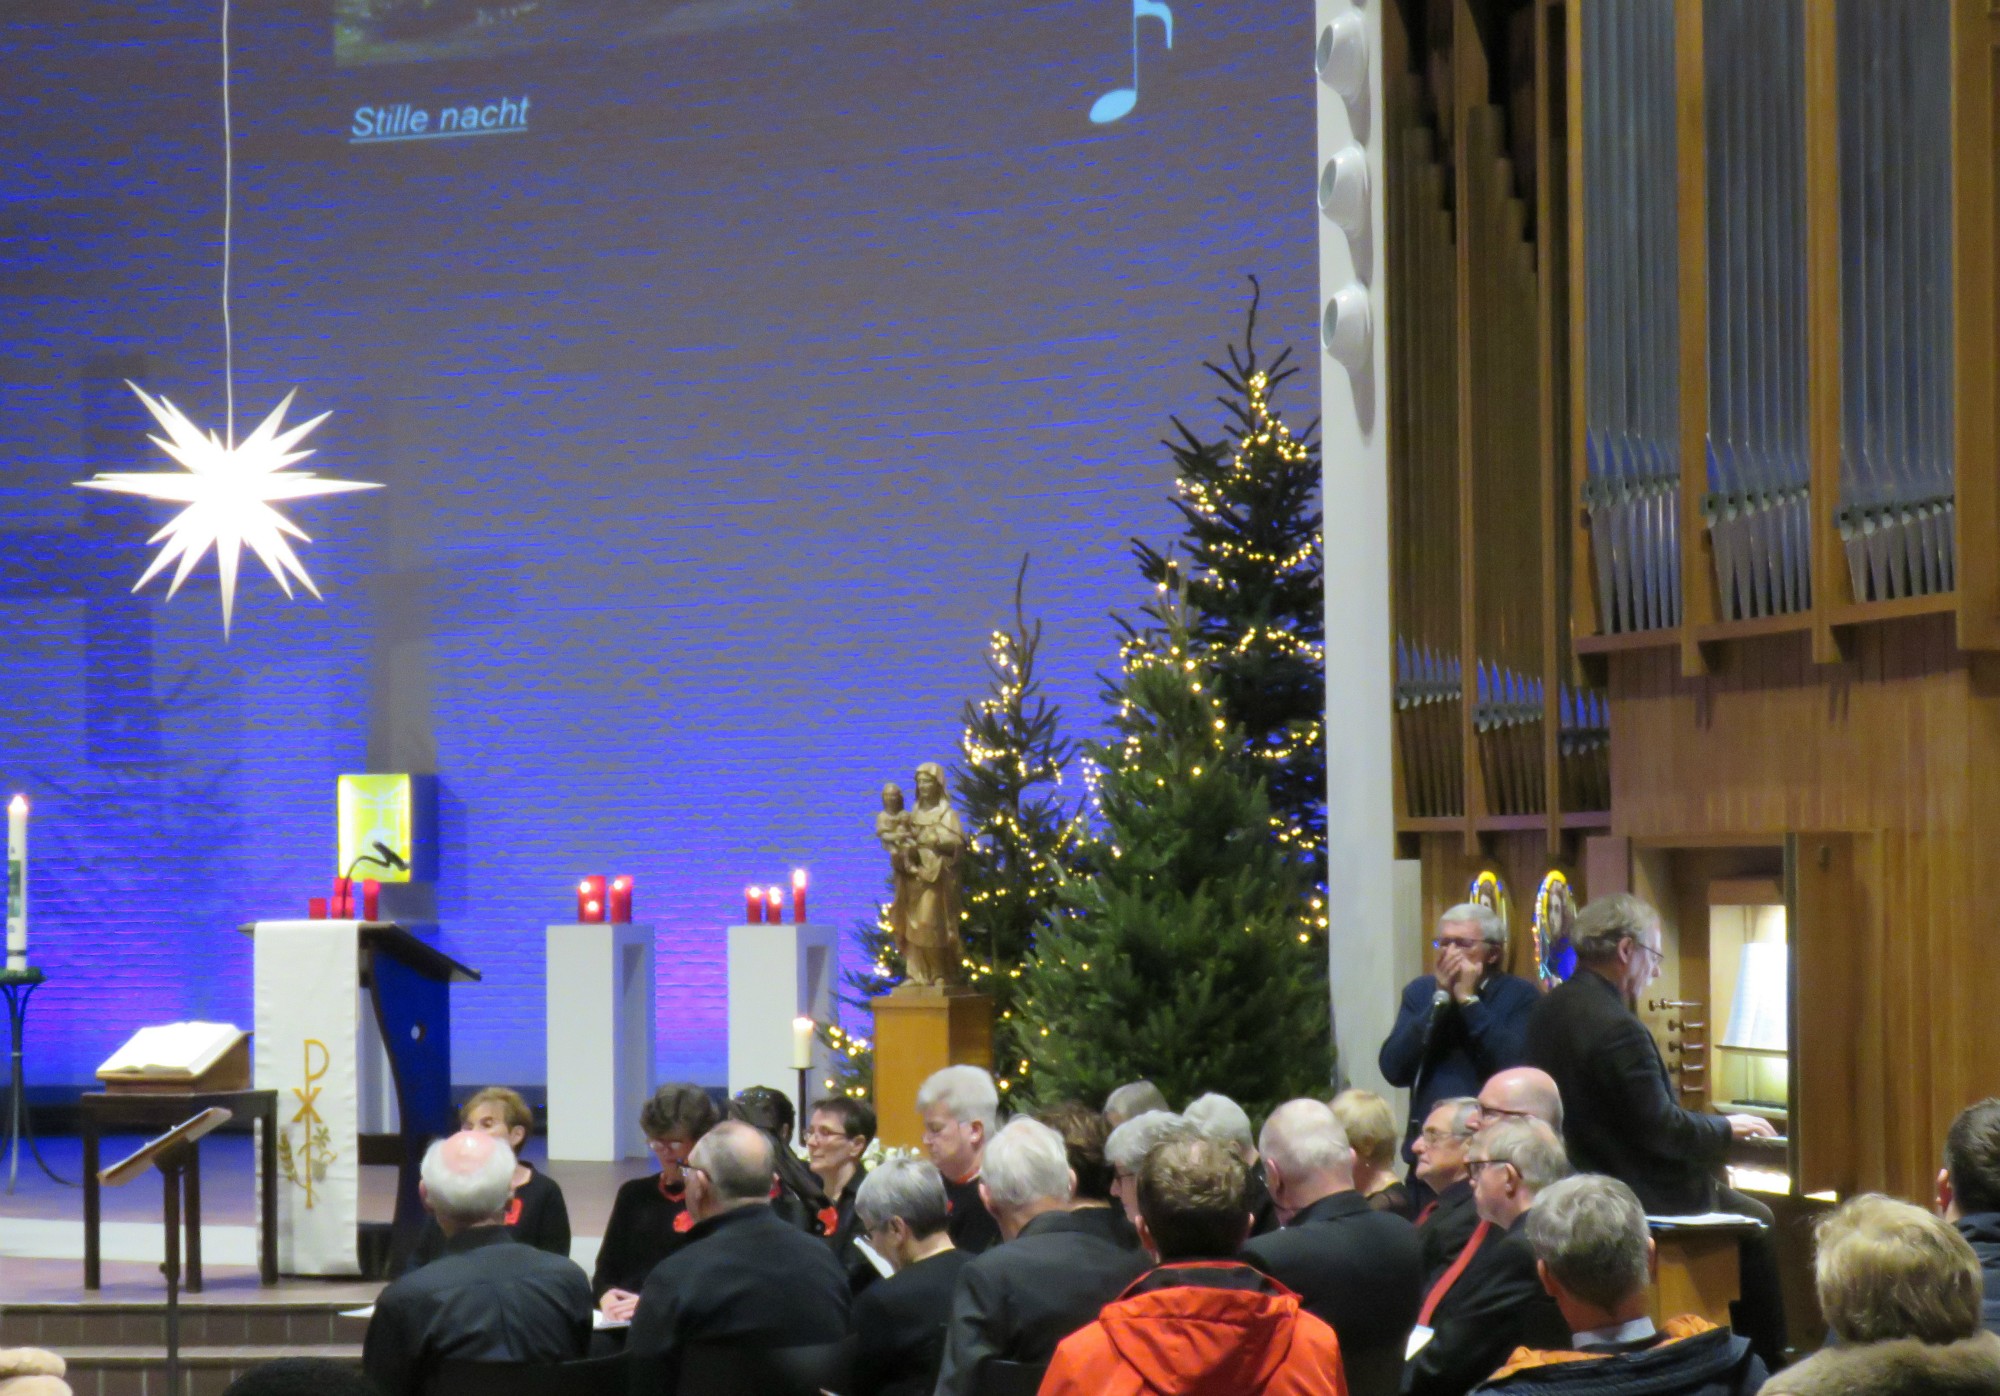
pixel 1346 330
pixel 1343 190
pixel 1341 57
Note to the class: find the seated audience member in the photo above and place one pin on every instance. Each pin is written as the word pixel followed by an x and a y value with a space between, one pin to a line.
pixel 960 1108
pixel 1052 1275
pixel 838 1132
pixel 1968 1192
pixel 746 1276
pixel 798 1198
pixel 1359 1270
pixel 1202 1323
pixel 1131 1100
pixel 1446 1222
pixel 297 1376
pixel 1596 1257
pixel 1521 1093
pixel 537 1214
pixel 1128 1145
pixel 33 1372
pixel 898 1323
pixel 1223 1119
pixel 1084 1134
pixel 488 1298
pixel 1370 1126
pixel 649 1217
pixel 1490 1300
pixel 1902 1292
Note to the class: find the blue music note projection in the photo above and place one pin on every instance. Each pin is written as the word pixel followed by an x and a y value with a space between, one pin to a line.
pixel 1120 100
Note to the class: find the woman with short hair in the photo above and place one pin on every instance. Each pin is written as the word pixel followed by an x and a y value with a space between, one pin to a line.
pixel 649 1218
pixel 537 1215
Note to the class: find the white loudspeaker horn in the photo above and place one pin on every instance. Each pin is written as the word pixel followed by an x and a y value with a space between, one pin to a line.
pixel 1343 190
pixel 1346 329
pixel 1341 56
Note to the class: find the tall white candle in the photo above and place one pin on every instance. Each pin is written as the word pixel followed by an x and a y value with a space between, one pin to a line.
pixel 802 1044
pixel 17 883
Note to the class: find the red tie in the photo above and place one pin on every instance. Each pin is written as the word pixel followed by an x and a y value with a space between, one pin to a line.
pixel 1450 1277
pixel 1425 1215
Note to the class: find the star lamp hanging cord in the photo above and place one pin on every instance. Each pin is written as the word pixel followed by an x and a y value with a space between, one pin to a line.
pixel 227 489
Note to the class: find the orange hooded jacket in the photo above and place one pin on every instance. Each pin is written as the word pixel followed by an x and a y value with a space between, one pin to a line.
pixel 1200 1328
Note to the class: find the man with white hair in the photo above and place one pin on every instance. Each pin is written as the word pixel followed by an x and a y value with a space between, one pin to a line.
pixel 960 1108
pixel 1131 1100
pixel 1128 1146
pixel 1358 1269
pixel 1491 1300
pixel 899 1322
pixel 1223 1120
pixel 1460 1023
pixel 1595 1254
pixel 746 1277
pixel 488 1297
pixel 1052 1275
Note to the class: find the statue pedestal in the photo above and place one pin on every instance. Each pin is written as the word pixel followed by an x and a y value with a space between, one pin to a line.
pixel 918 1031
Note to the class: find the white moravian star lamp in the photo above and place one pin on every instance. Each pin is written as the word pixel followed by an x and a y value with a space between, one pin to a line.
pixel 229 487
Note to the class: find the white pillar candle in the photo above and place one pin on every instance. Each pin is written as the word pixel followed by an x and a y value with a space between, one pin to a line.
pixel 17 883
pixel 802 1044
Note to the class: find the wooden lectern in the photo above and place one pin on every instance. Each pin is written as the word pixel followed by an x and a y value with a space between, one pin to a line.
pixel 919 1030
pixel 406 981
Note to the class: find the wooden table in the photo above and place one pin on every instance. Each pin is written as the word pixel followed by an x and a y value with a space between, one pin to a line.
pixel 150 1112
pixel 1700 1271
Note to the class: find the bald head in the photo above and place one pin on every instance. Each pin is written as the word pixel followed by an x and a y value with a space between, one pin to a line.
pixel 468 1179
pixel 1306 1154
pixel 1521 1093
pixel 738 1163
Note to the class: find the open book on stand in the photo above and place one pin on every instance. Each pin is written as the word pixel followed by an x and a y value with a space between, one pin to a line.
pixel 176 1057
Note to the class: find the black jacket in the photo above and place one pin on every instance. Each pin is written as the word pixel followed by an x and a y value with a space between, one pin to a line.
pixel 648 1223
pixel 1019 1300
pixel 1982 1229
pixel 744 1277
pixel 1358 1269
pixel 899 1327
pixel 971 1227
pixel 1496 1305
pixel 1443 1233
pixel 1620 1114
pixel 537 1217
pixel 1713 1363
pixel 1109 1222
pixel 488 1298
pixel 1468 1044
pixel 841 1228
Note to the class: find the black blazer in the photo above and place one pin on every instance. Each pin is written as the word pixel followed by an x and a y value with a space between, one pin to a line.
pixel 537 1217
pixel 971 1227
pixel 1361 1271
pixel 648 1223
pixel 1620 1113
pixel 1495 1306
pixel 899 1327
pixel 488 1298
pixel 1019 1300
pixel 744 1277
pixel 1444 1232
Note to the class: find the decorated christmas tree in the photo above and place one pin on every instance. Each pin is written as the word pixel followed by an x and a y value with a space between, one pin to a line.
pixel 1022 840
pixel 1185 956
pixel 1250 558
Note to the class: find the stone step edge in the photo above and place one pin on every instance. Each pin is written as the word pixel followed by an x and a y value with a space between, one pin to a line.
pixel 189 1307
pixel 230 1355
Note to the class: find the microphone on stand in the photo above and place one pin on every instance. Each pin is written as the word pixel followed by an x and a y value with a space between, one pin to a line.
pixel 1439 1002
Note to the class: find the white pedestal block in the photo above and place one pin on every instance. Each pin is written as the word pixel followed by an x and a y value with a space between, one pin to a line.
pixel 777 973
pixel 600 1035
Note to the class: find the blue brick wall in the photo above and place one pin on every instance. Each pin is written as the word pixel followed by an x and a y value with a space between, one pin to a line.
pixel 714 414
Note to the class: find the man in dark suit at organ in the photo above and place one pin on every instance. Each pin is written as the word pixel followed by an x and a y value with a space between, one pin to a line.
pixel 1460 1024
pixel 488 1297
pixel 1622 1116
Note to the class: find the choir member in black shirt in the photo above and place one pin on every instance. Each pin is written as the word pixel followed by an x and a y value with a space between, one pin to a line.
pixel 649 1218
pixel 536 1215
pixel 960 1106
pixel 1370 1126
pixel 838 1132
pixel 488 1298
pixel 796 1194
pixel 898 1324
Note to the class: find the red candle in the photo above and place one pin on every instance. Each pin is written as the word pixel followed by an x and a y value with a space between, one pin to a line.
pixel 371 900
pixel 342 905
pixel 593 912
pixel 590 900
pixel 316 908
pixel 621 899
pixel 799 895
pixel 774 912
pixel 753 906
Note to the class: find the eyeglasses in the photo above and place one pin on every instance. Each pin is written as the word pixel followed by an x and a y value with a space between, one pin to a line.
pixel 1657 955
pixel 1498 1113
pixel 1474 1167
pixel 1442 944
pixel 820 1132
pixel 690 1168
pixel 1441 1136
